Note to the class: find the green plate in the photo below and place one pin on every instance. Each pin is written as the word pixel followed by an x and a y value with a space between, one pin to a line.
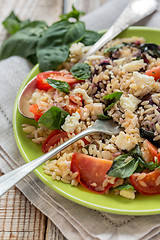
pixel 142 205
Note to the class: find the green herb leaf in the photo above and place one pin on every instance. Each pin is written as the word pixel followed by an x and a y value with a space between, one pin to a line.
pixel 53 47
pixel 59 85
pixel 136 151
pixel 13 24
pixel 103 117
pixel 114 49
pixel 146 134
pixel 73 14
pixel 111 99
pixel 150 48
pixel 90 38
pixel 124 187
pixel 122 167
pixel 23 43
pixel 54 118
pixel 81 71
pixel 149 165
pixel 137 154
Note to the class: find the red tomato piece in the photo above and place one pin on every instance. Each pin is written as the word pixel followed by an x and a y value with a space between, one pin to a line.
pixel 158 157
pixel 42 83
pixel 71 108
pixel 53 139
pixel 152 151
pixel 65 76
pixel 35 110
pixel 73 105
pixel 91 171
pixel 148 185
pixel 74 100
pixel 154 72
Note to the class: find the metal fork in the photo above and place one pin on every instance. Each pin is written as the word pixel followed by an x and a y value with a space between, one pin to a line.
pixel 135 11
pixel 10 179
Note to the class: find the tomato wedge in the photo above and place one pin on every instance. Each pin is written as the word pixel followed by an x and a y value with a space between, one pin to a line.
pixel 73 105
pixel 65 76
pixel 153 153
pixel 91 171
pixel 53 139
pixel 71 108
pixel 154 72
pixel 148 185
pixel 35 110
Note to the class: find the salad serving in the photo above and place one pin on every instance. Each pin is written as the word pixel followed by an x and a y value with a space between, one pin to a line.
pixel 121 81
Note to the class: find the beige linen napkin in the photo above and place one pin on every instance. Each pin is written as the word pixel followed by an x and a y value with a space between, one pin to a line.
pixel 73 220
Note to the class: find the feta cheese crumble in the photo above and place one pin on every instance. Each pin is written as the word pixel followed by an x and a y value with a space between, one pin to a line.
pixel 71 122
pixel 84 94
pixel 126 141
pixel 141 84
pixel 129 102
pixel 134 66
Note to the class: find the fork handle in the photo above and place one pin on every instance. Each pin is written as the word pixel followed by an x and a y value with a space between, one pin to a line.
pixel 10 179
pixel 135 11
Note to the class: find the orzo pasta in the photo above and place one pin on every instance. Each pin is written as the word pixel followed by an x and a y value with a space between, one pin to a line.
pixel 124 85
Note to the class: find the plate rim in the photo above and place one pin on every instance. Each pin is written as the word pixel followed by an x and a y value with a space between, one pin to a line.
pixel 47 182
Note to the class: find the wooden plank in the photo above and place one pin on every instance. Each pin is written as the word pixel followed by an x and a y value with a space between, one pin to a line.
pixel 19 218
pixel 52 232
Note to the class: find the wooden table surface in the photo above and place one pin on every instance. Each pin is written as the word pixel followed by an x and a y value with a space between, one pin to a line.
pixel 19 219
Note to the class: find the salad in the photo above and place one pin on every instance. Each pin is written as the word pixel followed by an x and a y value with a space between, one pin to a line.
pixel 120 81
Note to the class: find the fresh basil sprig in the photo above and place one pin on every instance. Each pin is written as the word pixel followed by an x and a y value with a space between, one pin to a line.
pixel 111 99
pixel 13 24
pixel 150 48
pixel 136 153
pixel 114 49
pixel 103 117
pixel 81 71
pixel 49 46
pixel 124 187
pixel 90 37
pixel 59 85
pixel 53 46
pixel 123 166
pixel 149 165
pixel 24 42
pixel 54 118
pixel 73 14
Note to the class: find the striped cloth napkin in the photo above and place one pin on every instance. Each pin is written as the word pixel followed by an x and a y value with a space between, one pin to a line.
pixel 74 221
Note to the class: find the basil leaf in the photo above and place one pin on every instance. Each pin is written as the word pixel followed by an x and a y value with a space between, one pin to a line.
pixel 53 47
pixel 23 43
pixel 103 117
pixel 111 99
pixel 13 24
pixel 122 167
pixel 136 151
pixel 149 165
pixel 73 14
pixel 81 71
pixel 150 48
pixel 137 154
pixel 90 38
pixel 124 187
pixel 59 85
pixel 114 49
pixel 53 118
